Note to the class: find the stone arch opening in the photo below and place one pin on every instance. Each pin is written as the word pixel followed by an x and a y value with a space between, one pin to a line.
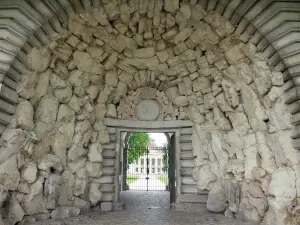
pixel 151 171
pixel 177 129
pixel 191 66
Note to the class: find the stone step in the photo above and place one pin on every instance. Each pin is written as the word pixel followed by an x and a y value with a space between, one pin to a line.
pixel 2 128
pixel 7 107
pixel 109 154
pixel 107 188
pixel 185 171
pixel 185 138
pixel 10 83
pixel 187 155
pixel 108 162
pixel 186 131
pixel 4 117
pixel 187 163
pixel 294 107
pixel 8 94
pixel 193 198
pixel 104 180
pixel 157 125
pixel 107 197
pixel 295 132
pixel 291 95
pixel 188 181
pixel 111 146
pixel 112 130
pixel 295 118
pixel 113 137
pixel 296 143
pixel 108 171
pixel 192 189
pixel 13 74
pixel 188 189
pixel 186 147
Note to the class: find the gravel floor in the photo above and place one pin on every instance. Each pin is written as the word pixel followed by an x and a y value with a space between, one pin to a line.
pixel 146 208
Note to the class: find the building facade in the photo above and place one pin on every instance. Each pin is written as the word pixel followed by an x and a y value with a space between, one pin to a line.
pixel 155 156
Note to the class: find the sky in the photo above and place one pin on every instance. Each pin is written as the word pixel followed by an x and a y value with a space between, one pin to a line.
pixel 160 138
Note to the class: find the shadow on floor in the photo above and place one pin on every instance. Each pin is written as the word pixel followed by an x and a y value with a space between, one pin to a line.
pixel 145 199
pixel 146 208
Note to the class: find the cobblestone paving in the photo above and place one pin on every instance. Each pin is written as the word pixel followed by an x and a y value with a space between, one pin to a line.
pixel 145 199
pixel 153 211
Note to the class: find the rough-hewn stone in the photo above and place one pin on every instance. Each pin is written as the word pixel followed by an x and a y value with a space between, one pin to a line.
pixel 29 172
pixel 39 59
pixel 216 199
pixel 10 174
pixel 64 212
pixel 114 59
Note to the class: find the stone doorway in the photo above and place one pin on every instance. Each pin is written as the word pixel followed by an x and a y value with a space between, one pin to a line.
pixel 147 170
pixel 177 129
pixel 204 61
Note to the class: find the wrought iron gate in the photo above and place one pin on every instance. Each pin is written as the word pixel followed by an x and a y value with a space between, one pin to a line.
pixel 150 172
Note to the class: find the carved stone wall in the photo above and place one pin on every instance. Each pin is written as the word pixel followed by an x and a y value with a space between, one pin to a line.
pixel 192 67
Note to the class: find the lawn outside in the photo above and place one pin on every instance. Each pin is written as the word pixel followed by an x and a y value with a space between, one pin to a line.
pixel 132 178
pixel 163 178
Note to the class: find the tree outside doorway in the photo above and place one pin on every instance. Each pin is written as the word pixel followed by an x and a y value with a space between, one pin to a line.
pixel 147 162
pixel 137 146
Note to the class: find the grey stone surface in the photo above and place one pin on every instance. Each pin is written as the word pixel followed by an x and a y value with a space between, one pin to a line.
pixel 148 124
pixel 147 110
pixel 145 199
pixel 106 206
pixel 146 208
pixel 105 61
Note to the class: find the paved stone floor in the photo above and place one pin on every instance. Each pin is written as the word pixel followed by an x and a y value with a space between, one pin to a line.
pixel 146 208
pixel 145 199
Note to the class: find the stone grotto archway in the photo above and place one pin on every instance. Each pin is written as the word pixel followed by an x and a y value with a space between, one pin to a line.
pixel 193 65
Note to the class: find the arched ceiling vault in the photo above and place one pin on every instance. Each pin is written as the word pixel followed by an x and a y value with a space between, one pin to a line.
pixel 272 25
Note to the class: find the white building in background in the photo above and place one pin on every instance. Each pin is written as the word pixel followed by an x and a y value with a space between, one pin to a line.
pixel 155 158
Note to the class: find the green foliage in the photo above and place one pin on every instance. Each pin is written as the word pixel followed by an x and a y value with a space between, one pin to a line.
pixel 132 178
pixel 163 178
pixel 165 161
pixel 137 146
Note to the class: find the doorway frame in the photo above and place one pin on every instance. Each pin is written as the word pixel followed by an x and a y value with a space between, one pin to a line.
pixel 173 126
pixel 124 156
pixel 148 166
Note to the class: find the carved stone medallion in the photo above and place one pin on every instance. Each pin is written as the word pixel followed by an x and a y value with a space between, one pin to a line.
pixel 147 110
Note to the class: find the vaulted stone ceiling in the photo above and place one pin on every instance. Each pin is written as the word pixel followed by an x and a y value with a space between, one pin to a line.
pixel 273 26
pixel 269 25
